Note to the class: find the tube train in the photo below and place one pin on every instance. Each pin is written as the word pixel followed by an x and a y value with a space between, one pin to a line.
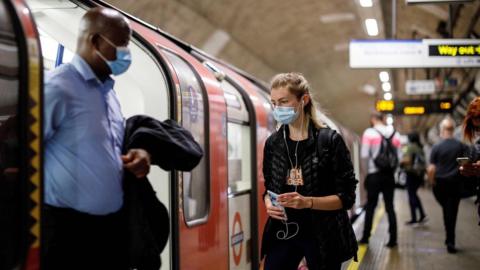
pixel 216 211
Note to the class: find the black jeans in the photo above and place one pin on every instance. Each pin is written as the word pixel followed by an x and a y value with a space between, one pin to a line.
pixel 287 254
pixel 374 184
pixel 413 183
pixel 447 194
pixel 75 240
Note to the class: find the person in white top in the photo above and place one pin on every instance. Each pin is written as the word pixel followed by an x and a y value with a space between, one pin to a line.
pixel 378 179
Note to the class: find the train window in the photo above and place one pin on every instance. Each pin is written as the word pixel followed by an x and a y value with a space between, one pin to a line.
pixel 239 159
pixel 239 144
pixel 236 109
pixel 10 182
pixel 53 52
pixel 196 186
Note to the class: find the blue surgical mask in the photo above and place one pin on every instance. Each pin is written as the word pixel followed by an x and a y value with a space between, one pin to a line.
pixel 123 60
pixel 285 115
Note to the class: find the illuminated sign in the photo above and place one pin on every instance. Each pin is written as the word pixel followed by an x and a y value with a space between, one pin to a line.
pixel 454 50
pixel 413 110
pixel 414 107
pixel 435 1
pixel 414 53
pixel 385 105
pixel 419 87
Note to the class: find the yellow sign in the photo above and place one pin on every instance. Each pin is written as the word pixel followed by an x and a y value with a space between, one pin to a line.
pixel 445 105
pixel 385 105
pixel 414 110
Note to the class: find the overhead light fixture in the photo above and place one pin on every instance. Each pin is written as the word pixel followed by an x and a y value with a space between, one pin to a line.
pixel 389 120
pixel 386 86
pixel 369 89
pixel 337 17
pixel 435 1
pixel 384 77
pixel 366 3
pixel 341 47
pixel 387 96
pixel 372 27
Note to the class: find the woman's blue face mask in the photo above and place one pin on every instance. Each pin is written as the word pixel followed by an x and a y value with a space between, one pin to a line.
pixel 122 61
pixel 286 115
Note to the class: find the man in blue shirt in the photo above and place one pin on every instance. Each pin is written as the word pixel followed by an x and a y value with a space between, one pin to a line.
pixel 83 136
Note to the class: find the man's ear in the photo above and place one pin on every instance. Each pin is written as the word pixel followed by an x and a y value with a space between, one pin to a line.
pixel 93 40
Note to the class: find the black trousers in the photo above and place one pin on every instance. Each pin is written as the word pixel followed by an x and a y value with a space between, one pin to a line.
pixel 287 254
pixel 74 240
pixel 413 183
pixel 374 184
pixel 447 194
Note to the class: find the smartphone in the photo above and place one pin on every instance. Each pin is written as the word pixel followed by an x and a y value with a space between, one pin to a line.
pixel 463 160
pixel 274 200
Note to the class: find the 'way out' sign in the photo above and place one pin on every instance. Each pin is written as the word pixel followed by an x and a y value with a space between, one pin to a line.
pixel 415 53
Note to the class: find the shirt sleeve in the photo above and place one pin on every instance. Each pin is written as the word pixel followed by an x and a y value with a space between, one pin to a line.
pixel 366 143
pixel 433 155
pixel 55 109
pixel 345 182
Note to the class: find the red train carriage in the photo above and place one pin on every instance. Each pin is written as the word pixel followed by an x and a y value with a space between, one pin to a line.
pixel 217 212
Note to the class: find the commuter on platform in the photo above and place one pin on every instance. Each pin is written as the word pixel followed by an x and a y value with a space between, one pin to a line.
pixel 471 127
pixel 414 165
pixel 83 135
pixel 378 141
pixel 308 165
pixel 444 176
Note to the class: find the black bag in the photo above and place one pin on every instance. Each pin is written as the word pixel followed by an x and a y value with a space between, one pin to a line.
pixel 343 241
pixel 468 186
pixel 387 158
pixel 171 147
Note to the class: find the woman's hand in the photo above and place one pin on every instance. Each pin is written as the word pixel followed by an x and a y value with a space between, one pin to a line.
pixel 470 169
pixel 274 211
pixel 294 200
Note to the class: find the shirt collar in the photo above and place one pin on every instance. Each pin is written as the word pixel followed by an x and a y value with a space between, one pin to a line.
pixel 87 73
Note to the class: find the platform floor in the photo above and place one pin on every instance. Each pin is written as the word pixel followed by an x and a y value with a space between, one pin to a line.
pixel 421 246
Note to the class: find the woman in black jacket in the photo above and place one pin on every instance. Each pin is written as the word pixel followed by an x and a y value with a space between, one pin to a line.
pixel 308 165
pixel 471 129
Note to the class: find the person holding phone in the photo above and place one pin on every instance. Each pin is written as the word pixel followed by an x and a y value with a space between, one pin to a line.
pixel 471 127
pixel 444 176
pixel 309 182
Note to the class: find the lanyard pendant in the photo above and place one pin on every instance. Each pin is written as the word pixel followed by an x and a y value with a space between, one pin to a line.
pixel 295 177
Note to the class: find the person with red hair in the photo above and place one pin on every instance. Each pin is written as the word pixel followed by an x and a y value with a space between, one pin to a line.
pixel 471 129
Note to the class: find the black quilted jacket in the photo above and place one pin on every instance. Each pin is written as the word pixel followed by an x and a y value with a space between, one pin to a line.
pixel 327 170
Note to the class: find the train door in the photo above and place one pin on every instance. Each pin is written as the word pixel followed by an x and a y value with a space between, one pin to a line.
pixel 20 138
pixel 241 178
pixel 143 89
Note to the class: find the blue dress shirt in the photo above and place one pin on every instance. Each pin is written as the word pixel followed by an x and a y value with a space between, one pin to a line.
pixel 83 136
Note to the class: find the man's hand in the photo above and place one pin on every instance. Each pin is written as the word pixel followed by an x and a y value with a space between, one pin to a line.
pixel 137 161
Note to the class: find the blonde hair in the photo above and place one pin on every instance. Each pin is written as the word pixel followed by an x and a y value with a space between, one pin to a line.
pixel 298 86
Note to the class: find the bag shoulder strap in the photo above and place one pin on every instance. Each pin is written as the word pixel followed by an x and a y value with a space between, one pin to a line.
pixel 383 136
pixel 324 139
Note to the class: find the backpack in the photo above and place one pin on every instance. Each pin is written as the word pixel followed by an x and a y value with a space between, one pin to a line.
pixel 419 165
pixel 387 158
pixel 346 245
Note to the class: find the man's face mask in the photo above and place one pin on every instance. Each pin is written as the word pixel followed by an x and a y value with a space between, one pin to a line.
pixel 123 60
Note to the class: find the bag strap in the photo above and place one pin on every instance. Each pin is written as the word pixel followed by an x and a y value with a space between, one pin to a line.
pixel 383 136
pixel 324 139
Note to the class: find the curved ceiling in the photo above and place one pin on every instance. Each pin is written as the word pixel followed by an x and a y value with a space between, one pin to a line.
pixel 270 36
